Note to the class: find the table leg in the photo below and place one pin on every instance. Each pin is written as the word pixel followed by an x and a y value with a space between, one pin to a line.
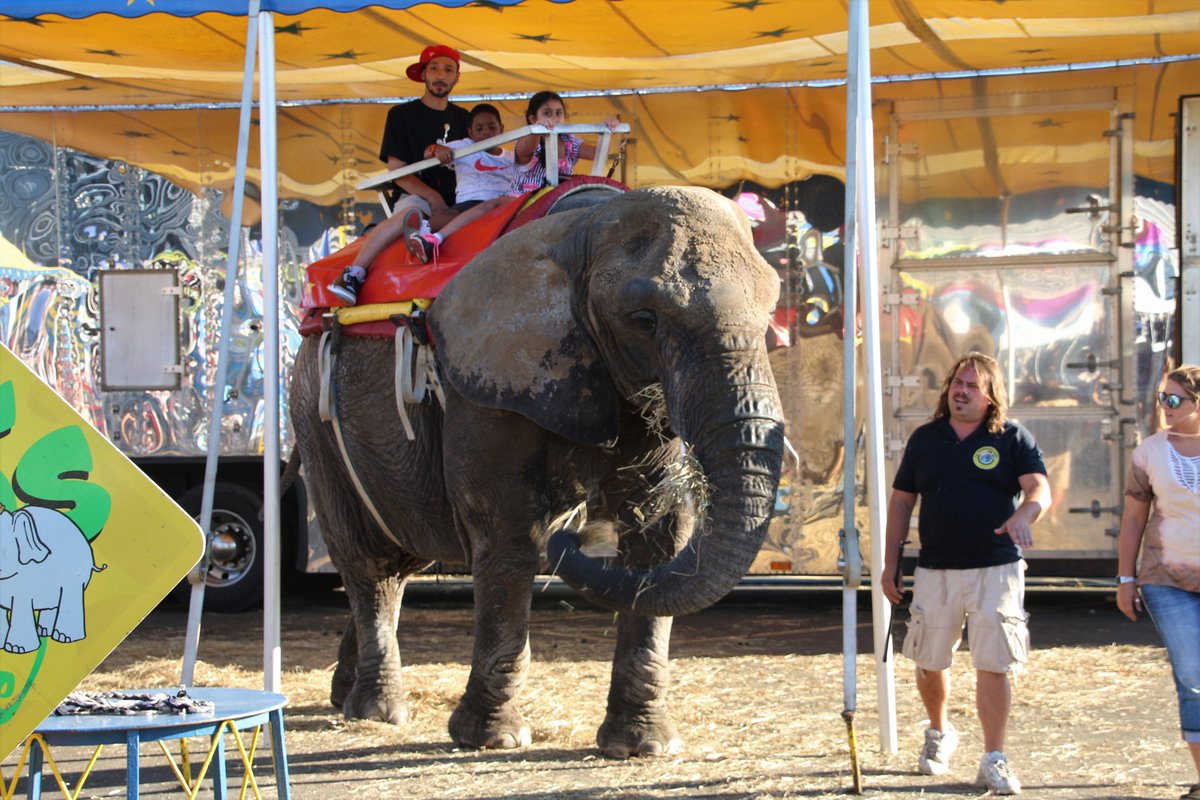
pixel 34 790
pixel 220 783
pixel 279 754
pixel 133 764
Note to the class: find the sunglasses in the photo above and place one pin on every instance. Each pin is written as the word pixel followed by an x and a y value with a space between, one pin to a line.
pixel 1171 401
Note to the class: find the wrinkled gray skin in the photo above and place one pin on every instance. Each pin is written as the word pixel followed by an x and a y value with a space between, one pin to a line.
pixel 542 341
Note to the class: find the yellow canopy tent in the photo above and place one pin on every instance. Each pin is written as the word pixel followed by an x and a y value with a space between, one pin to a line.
pixel 717 90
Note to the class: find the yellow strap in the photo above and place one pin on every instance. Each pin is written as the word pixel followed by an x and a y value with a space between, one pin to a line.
pixel 374 312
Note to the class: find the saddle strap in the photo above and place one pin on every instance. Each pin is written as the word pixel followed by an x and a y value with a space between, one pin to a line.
pixel 324 397
pixel 327 405
pixel 403 379
pixel 416 374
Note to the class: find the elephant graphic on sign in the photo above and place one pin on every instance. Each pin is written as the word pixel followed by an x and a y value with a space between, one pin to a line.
pixel 46 563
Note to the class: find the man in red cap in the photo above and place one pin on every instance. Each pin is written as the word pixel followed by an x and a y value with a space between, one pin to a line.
pixel 411 127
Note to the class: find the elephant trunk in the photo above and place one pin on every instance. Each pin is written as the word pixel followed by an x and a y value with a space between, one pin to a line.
pixel 738 442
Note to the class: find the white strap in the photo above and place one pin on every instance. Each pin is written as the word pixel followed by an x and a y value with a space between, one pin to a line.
pixel 327 406
pixel 324 362
pixel 403 377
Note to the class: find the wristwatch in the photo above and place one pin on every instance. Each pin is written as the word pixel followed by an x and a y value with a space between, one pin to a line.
pixel 1126 579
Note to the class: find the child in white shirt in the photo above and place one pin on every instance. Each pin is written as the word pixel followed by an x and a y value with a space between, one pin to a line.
pixel 480 177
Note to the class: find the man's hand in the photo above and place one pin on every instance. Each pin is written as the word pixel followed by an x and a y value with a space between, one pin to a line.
pixel 1036 489
pixel 1017 527
pixel 892 590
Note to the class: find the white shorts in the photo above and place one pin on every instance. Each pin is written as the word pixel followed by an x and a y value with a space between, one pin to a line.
pixel 990 600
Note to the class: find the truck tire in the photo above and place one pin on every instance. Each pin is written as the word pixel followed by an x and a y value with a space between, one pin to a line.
pixel 235 573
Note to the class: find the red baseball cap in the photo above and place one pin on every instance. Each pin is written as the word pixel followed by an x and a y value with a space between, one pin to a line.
pixel 416 72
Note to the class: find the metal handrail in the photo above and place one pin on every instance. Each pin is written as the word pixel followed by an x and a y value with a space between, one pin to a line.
pixel 383 180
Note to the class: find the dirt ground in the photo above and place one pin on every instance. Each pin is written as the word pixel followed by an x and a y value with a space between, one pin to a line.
pixel 757 695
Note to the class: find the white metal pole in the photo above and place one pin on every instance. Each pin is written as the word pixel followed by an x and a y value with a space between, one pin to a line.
pixel 864 132
pixel 191 643
pixel 270 280
pixel 851 552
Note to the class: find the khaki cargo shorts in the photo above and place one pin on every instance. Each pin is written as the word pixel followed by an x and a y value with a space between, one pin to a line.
pixel 990 600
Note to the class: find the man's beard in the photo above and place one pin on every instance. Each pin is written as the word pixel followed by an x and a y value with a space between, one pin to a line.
pixel 438 89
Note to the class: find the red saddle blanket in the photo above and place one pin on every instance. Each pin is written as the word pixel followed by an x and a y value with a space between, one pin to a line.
pixel 397 275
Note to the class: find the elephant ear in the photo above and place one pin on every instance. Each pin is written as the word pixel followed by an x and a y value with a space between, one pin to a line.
pixel 30 547
pixel 506 338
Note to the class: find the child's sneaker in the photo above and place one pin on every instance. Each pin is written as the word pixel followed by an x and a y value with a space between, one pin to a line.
pixel 995 774
pixel 424 246
pixel 939 746
pixel 412 221
pixel 346 287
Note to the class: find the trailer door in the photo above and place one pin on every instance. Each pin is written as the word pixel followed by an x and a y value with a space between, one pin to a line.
pixel 1004 225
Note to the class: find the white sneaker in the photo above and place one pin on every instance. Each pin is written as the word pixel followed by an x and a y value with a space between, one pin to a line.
pixel 939 746
pixel 995 774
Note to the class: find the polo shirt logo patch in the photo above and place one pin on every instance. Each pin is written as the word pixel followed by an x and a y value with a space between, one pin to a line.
pixel 986 457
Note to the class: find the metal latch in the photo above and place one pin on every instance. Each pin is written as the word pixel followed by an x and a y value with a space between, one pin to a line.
pixel 892 382
pixel 891 149
pixel 892 445
pixel 893 299
pixel 1095 509
pixel 173 369
pixel 889 231
pixel 172 291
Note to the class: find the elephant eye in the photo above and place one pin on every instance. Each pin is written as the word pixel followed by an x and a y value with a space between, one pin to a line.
pixel 645 320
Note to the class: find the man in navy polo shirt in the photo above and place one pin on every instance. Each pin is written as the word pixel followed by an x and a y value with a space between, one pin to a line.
pixel 969 466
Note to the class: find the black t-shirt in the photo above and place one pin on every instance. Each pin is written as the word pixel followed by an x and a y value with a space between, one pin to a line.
pixel 413 126
pixel 967 490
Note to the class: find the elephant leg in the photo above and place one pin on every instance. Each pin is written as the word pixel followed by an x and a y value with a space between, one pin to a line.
pixel 347 666
pixel 638 722
pixel 487 715
pixel 378 690
pixel 47 619
pixel 22 633
pixel 68 621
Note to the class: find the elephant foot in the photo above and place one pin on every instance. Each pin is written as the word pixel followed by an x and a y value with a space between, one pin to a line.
pixel 498 729
pixel 377 704
pixel 18 648
pixel 628 737
pixel 341 685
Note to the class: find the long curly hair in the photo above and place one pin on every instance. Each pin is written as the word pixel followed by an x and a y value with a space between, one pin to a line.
pixel 991 384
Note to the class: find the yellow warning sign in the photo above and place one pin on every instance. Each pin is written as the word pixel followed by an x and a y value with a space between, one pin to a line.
pixel 88 546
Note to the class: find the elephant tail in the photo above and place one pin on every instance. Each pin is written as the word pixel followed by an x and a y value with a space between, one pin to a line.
pixel 291 472
pixel 100 568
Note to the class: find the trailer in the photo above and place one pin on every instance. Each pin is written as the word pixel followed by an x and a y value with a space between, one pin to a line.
pixel 1038 213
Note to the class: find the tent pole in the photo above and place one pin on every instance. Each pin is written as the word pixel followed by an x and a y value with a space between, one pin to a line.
pixel 851 561
pixel 196 577
pixel 864 135
pixel 270 279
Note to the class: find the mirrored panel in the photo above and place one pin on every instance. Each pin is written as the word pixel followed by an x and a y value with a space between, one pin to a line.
pixel 1051 329
pixel 1004 184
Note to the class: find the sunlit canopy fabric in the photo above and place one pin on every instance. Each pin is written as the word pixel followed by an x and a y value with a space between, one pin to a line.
pixel 646 57
pixel 571 46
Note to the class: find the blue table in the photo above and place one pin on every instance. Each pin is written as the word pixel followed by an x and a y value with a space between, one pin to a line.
pixel 235 710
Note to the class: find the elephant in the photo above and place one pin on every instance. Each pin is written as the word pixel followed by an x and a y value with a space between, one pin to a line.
pixel 605 374
pixel 46 563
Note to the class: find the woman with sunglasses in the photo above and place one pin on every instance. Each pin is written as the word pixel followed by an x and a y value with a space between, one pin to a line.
pixel 1165 474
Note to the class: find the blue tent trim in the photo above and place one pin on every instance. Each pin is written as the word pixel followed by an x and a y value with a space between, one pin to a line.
pixel 78 9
